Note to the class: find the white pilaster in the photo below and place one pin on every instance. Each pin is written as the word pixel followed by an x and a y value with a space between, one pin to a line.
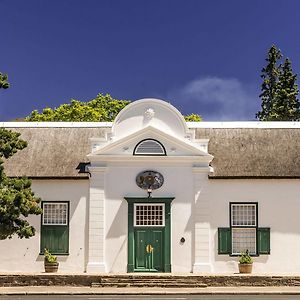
pixel 202 261
pixel 96 262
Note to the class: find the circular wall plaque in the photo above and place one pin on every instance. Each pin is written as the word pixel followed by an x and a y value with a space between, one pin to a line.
pixel 149 180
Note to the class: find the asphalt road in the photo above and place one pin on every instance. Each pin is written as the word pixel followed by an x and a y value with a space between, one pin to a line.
pixel 151 297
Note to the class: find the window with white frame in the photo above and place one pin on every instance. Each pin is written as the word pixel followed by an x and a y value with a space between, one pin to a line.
pixel 243 227
pixel 55 213
pixel 146 214
pixel 55 227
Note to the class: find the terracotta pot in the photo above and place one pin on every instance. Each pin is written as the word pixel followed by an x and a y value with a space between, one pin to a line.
pixel 245 268
pixel 51 267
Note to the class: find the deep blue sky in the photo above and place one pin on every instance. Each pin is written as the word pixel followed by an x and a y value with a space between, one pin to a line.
pixel 202 56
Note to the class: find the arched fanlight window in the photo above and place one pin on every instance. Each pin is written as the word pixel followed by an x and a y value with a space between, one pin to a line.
pixel 149 147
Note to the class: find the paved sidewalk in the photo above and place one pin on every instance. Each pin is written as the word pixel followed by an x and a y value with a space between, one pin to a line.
pixel 66 290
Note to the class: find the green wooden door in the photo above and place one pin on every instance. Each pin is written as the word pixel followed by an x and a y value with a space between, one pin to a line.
pixel 148 244
pixel 149 247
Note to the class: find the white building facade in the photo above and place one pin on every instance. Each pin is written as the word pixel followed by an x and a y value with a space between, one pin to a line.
pixel 152 193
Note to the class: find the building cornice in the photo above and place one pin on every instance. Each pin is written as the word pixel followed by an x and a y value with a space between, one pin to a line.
pixel 205 159
pixel 190 125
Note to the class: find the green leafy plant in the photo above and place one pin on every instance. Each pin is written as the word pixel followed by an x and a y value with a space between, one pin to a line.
pixel 103 108
pixel 49 258
pixel 193 118
pixel 245 258
pixel 17 200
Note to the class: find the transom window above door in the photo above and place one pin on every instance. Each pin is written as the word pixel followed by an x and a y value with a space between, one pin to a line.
pixel 147 215
pixel 149 147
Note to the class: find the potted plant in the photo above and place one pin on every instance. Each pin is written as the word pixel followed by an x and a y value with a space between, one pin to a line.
pixel 245 262
pixel 50 262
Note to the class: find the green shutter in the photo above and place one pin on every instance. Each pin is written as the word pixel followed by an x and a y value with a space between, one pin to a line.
pixel 224 241
pixel 55 239
pixel 263 240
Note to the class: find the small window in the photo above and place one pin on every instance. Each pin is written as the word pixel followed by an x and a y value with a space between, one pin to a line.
pixel 243 233
pixel 55 227
pixel 55 213
pixel 243 215
pixel 243 227
pixel 149 147
pixel 149 214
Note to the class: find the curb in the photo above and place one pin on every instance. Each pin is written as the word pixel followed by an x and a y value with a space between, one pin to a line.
pixel 147 292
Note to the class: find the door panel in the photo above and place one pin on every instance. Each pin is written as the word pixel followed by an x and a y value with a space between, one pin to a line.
pixel 141 237
pixel 156 240
pixel 149 250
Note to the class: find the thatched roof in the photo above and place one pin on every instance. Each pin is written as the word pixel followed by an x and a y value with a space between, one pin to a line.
pixel 238 152
pixel 253 152
pixel 52 152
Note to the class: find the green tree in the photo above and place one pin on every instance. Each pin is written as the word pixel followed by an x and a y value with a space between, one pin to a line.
pixel 101 109
pixel 278 90
pixel 4 84
pixel 269 86
pixel 286 107
pixel 17 201
pixel 193 118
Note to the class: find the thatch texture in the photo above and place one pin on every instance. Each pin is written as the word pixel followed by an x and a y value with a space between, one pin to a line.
pixel 253 152
pixel 52 152
pixel 244 152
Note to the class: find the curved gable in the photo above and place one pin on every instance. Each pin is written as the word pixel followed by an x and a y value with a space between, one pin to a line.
pixel 149 112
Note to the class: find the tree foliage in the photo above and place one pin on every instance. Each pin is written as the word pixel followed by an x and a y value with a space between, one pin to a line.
pixel 193 118
pixel 17 201
pixel 101 109
pixel 278 90
pixel 4 84
pixel 286 107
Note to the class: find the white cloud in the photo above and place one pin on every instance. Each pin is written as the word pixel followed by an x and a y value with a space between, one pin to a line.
pixel 217 99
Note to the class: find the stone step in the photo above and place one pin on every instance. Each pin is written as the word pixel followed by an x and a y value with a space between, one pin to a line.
pixel 141 279
pixel 152 283
pixel 147 280
pixel 148 284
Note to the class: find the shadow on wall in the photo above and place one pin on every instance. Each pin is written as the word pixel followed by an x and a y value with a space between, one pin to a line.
pixel 118 229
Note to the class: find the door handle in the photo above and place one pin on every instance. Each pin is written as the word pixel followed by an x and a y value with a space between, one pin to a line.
pixel 149 248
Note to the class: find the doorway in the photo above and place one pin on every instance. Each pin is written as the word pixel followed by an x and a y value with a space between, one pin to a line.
pixel 149 239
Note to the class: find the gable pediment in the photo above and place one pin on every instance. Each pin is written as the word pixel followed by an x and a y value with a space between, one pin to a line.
pixel 173 145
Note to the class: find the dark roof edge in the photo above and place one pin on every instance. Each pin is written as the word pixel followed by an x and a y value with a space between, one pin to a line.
pixel 253 177
pixel 210 177
pixel 53 177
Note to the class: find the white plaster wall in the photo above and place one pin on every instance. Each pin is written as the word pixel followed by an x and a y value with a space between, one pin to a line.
pixel 23 255
pixel 119 183
pixel 278 208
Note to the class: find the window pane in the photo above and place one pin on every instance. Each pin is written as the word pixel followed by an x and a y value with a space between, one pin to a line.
pixel 149 215
pixel 55 213
pixel 243 214
pixel 243 239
